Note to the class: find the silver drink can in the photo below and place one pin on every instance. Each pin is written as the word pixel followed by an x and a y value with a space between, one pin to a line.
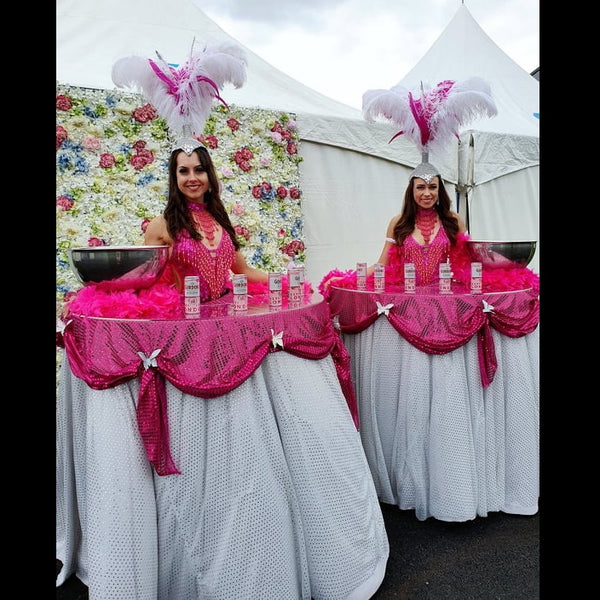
pixel 240 291
pixel 361 276
pixel 294 285
pixel 379 278
pixel 275 299
pixel 445 278
pixel 410 278
pixel 191 294
pixel 476 277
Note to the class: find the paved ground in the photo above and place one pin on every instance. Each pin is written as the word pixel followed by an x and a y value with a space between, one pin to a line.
pixel 492 558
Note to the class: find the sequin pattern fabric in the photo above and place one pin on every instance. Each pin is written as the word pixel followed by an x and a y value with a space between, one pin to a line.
pixel 425 258
pixel 191 257
pixel 437 441
pixel 273 498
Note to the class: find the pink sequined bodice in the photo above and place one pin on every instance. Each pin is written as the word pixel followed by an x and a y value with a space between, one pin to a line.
pixel 191 257
pixel 425 258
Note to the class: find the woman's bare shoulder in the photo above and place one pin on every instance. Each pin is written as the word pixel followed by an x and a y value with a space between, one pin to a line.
pixel 156 231
pixel 392 224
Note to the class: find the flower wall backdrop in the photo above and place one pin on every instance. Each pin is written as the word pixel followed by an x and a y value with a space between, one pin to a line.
pixel 111 176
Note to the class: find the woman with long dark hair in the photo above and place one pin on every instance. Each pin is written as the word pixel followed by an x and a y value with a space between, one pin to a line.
pixel 197 227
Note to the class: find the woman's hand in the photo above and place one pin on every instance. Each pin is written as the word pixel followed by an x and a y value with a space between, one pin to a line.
pixel 331 281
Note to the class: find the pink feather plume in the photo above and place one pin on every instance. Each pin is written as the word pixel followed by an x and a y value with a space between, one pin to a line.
pixel 430 117
pixel 184 96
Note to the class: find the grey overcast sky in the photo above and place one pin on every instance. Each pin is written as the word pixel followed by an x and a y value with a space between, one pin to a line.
pixel 366 44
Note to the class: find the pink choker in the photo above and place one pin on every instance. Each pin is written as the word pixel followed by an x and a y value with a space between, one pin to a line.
pixel 196 206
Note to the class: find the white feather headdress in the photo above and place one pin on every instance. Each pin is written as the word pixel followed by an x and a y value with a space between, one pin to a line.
pixel 430 117
pixel 184 96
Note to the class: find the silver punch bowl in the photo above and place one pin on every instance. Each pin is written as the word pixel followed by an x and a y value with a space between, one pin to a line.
pixel 119 267
pixel 501 254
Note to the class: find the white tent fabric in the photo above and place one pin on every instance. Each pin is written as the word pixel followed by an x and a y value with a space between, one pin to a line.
pixel 91 36
pixel 352 180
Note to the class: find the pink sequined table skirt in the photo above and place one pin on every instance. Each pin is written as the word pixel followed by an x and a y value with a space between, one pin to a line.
pixel 448 396
pixel 252 484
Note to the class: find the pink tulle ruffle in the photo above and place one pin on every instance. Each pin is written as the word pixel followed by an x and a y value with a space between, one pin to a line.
pixel 156 302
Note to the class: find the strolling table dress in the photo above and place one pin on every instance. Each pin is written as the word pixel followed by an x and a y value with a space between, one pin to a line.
pixel 214 458
pixel 447 388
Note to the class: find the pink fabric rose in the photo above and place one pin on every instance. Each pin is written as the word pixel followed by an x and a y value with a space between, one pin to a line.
pixel 91 143
pixel 243 231
pixel 145 113
pixel 233 124
pixel 107 160
pixel 246 154
pixel 276 137
pixel 61 135
pixel 141 159
pixel 63 102
pixel 242 159
pixel 65 202
pixel 293 248
pixel 211 141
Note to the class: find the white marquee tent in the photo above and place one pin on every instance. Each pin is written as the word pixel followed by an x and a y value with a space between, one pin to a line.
pixel 351 178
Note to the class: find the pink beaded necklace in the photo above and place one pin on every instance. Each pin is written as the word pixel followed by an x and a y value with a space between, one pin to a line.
pixel 425 222
pixel 205 221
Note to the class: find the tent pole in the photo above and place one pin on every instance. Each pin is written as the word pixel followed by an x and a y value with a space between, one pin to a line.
pixel 468 213
pixel 458 187
pixel 470 179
